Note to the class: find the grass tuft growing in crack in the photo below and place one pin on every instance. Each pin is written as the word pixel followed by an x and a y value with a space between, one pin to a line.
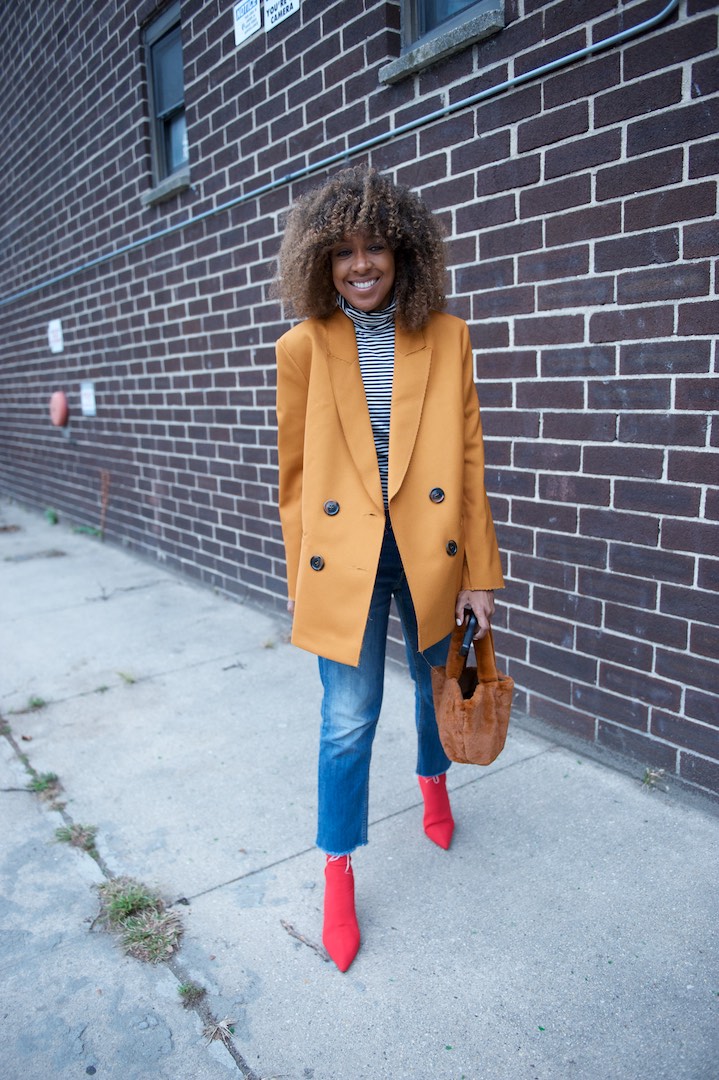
pixel 191 993
pixel 44 783
pixel 220 1029
pixel 148 930
pixel 79 836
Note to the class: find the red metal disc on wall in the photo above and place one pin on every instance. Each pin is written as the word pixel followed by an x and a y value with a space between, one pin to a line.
pixel 58 408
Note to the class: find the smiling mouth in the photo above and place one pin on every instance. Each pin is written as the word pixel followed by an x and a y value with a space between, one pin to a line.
pixel 364 284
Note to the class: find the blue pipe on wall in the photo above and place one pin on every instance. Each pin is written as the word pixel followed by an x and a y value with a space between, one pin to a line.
pixel 360 148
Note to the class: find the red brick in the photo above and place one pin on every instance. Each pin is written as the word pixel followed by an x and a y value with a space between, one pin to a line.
pixel 547 456
pixel 641 174
pixel 510 174
pixel 494 243
pixel 674 46
pixel 554 126
pixel 703 158
pixel 647 626
pixel 633 323
pixel 691 604
pixel 673 128
pixel 588 292
pixel 640 250
pixel 584 360
pixel 649 751
pixel 698 318
pixel 616 707
pixel 583 154
pixel 693 467
pixel 646 96
pixel 576 608
pixel 599 427
pixel 593 222
pixel 664 358
pixel 674 729
pixel 549 330
pixel 564 262
pixel 700 771
pixel 548 198
pixel 581 80
pixel 623 461
pixel 687 203
pixel 692 536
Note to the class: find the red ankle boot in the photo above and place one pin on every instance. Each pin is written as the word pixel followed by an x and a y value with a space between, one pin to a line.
pixel 340 933
pixel 438 821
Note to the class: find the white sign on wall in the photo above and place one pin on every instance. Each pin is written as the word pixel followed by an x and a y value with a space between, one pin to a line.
pixel 248 19
pixel 87 399
pixel 54 336
pixel 276 11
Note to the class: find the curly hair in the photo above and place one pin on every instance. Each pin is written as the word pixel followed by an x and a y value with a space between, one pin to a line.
pixel 361 200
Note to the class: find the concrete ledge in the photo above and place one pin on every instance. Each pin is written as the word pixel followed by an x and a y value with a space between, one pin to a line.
pixel 444 44
pixel 179 181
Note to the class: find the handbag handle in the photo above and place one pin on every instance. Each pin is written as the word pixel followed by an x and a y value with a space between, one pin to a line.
pixel 484 654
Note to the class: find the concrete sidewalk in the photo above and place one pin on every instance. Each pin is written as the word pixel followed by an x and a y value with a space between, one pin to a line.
pixel 571 931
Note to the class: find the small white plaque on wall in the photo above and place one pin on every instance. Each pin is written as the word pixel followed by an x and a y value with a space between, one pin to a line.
pixel 276 11
pixel 54 336
pixel 248 19
pixel 87 399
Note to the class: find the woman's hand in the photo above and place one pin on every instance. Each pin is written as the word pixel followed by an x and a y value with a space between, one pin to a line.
pixel 291 606
pixel 481 602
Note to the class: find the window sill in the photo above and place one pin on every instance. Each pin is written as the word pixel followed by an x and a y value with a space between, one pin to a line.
pixel 172 185
pixel 445 44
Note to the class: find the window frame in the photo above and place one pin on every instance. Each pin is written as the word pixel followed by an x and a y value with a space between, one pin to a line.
pixel 166 182
pixel 481 20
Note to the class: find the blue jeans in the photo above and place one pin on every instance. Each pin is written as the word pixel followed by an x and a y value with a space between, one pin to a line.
pixel 351 706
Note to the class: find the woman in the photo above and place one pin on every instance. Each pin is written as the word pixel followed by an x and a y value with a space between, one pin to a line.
pixel 381 489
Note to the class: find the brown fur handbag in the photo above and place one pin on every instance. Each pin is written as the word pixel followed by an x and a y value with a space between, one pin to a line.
pixel 472 703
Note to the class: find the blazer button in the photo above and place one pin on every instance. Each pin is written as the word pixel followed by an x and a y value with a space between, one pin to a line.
pixel 317 562
pixel 331 507
pixel 452 547
pixel 436 495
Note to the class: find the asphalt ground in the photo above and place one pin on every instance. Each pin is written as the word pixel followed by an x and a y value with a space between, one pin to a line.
pixel 570 933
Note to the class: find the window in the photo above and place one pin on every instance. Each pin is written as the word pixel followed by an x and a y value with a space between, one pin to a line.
pixel 166 99
pixel 432 30
pixel 424 16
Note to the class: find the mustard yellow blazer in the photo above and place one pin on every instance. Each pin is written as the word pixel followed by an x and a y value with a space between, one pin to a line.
pixel 331 505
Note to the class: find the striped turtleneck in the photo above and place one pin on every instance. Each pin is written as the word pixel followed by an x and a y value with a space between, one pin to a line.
pixel 374 332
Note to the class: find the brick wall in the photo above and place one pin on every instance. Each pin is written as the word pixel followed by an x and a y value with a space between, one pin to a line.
pixel 581 209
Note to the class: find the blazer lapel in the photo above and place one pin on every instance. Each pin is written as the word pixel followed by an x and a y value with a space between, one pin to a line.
pixel 411 374
pixel 351 402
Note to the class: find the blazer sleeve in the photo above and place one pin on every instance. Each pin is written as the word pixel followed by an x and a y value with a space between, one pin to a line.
pixel 482 563
pixel 292 388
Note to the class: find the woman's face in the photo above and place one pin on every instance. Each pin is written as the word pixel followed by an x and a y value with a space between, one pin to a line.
pixel 363 271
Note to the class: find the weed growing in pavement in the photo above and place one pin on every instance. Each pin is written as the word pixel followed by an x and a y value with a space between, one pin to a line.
pixel 44 783
pixel 34 704
pixel 126 678
pixel 191 993
pixel 79 836
pixel 654 779
pixel 147 929
pixel 220 1029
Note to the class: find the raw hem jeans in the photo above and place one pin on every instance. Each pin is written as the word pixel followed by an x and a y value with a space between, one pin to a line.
pixel 351 705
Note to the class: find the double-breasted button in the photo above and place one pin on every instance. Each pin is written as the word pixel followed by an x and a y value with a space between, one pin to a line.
pixel 437 495
pixel 331 507
pixel 452 547
pixel 317 562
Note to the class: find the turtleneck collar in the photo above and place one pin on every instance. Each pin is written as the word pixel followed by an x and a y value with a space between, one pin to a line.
pixel 368 320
